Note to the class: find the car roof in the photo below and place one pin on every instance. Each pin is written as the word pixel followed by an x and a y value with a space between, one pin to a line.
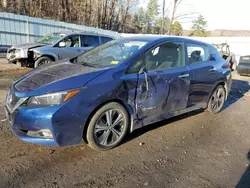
pixel 83 33
pixel 154 38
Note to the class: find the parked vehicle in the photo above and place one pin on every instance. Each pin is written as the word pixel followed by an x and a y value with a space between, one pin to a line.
pixel 3 50
pixel 56 46
pixel 243 67
pixel 116 88
pixel 226 54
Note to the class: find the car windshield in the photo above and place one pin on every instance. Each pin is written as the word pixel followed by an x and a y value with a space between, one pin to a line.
pixel 51 39
pixel 111 53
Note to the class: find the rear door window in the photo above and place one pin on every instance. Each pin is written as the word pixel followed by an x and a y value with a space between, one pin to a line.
pixel 105 39
pixel 89 40
pixel 197 53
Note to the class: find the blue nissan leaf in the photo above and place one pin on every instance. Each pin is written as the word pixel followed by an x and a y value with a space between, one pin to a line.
pixel 115 88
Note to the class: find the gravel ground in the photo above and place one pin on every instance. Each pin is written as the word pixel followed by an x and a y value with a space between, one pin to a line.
pixel 193 150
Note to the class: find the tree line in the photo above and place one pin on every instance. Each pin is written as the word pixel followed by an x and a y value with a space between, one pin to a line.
pixel 117 15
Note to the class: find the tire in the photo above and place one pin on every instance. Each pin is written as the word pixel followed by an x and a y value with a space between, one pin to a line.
pixel 42 61
pixel 216 102
pixel 103 134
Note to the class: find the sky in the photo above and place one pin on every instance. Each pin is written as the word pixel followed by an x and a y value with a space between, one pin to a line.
pixel 220 14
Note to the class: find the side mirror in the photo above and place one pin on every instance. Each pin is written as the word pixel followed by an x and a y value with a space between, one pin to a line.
pixel 62 44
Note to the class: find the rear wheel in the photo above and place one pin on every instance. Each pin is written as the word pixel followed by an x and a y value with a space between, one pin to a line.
pixel 107 127
pixel 217 100
pixel 42 61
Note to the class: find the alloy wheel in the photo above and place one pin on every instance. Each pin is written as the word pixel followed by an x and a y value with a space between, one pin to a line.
pixel 109 127
pixel 44 62
pixel 217 100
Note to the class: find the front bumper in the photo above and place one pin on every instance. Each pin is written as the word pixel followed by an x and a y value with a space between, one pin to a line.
pixel 14 55
pixel 66 127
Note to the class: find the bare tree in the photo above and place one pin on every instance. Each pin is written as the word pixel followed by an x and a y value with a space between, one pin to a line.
pixel 106 14
pixel 163 17
pixel 178 17
pixel 4 4
pixel 176 3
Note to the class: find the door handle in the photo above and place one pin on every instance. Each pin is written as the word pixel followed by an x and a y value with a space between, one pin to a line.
pixel 78 50
pixel 183 76
pixel 212 70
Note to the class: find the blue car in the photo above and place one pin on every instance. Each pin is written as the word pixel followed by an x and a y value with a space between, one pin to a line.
pixel 116 88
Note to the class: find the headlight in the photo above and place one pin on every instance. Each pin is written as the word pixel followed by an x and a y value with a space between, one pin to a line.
pixel 51 99
pixel 17 52
pixel 36 55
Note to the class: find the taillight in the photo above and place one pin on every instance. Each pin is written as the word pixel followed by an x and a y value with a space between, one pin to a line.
pixel 226 65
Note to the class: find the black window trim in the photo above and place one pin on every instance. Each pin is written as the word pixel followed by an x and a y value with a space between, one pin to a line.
pixel 101 42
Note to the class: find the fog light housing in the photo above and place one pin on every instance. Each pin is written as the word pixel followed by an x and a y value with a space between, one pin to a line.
pixel 43 133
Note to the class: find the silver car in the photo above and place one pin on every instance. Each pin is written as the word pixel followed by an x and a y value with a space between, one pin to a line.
pixel 56 46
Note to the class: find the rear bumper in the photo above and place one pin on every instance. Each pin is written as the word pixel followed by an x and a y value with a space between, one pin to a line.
pixel 228 84
pixel 243 69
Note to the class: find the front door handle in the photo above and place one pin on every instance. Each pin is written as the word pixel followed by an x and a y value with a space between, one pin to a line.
pixel 183 76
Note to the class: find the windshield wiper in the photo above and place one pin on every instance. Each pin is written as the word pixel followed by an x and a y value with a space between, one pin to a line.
pixel 89 65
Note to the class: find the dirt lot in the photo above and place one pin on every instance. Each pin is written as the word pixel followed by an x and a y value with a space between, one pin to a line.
pixel 192 150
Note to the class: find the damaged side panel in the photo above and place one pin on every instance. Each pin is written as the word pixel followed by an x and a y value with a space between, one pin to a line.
pixel 160 93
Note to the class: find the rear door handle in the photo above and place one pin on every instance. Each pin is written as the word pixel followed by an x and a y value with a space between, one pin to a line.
pixel 212 70
pixel 183 76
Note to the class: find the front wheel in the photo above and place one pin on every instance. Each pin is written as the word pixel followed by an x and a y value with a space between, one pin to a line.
pixel 107 127
pixel 42 61
pixel 217 100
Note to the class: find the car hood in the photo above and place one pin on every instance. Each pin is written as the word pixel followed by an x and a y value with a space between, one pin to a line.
pixel 57 76
pixel 28 45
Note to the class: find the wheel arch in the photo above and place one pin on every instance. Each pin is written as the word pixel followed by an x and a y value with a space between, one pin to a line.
pixel 48 55
pixel 127 107
pixel 222 83
pixel 52 58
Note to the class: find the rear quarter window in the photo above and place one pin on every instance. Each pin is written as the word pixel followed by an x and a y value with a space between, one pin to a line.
pixel 213 52
pixel 105 39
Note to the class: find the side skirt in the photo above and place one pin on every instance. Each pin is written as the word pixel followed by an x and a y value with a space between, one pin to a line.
pixel 140 123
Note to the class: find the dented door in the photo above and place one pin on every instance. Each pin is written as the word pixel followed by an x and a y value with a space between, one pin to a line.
pixel 161 92
pixel 163 86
